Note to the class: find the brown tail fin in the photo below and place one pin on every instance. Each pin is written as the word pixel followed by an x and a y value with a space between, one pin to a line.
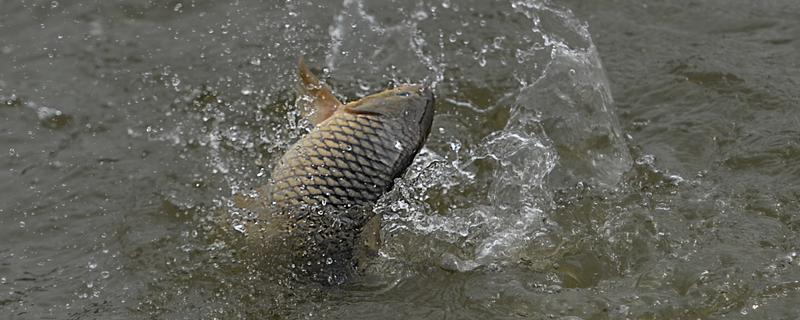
pixel 322 102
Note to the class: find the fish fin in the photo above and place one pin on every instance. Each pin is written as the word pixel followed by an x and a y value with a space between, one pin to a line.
pixel 316 100
pixel 362 112
pixel 370 242
pixel 359 107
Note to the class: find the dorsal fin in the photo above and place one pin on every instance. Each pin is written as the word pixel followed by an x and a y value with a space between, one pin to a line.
pixel 322 102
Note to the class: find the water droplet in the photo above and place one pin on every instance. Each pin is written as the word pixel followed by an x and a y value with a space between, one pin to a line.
pixel 53 4
pixel 647 160
pixel 178 7
pixel 255 61
pixel 247 91
pixel 105 274
pixel 498 42
pixel 22 224
pixel 92 265
pixel 398 145
pixel 239 227
pixel 329 261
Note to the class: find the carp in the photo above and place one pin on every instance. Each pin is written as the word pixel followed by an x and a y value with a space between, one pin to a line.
pixel 317 202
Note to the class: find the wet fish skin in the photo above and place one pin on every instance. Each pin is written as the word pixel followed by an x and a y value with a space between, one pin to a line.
pixel 353 157
pixel 316 204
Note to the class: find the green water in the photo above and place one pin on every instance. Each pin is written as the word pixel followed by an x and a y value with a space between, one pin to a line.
pixel 588 159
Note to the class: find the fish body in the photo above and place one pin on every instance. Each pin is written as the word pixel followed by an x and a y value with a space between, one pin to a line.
pixel 318 197
pixel 348 159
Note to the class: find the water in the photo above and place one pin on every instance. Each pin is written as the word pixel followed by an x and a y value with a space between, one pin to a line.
pixel 588 160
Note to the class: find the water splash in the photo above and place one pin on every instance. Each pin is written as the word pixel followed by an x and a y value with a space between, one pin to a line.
pixel 515 105
pixel 556 98
pixel 358 36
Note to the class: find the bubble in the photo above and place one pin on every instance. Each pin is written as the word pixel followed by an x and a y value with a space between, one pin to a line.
pixel 105 274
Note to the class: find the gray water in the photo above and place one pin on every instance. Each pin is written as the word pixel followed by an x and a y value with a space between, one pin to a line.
pixel 588 160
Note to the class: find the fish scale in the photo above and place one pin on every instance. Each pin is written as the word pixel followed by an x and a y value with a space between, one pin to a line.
pixel 315 215
pixel 362 153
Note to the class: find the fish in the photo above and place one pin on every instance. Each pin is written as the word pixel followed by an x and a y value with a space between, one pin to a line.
pixel 317 202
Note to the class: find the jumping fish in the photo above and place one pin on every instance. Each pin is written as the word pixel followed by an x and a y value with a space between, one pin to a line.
pixel 317 201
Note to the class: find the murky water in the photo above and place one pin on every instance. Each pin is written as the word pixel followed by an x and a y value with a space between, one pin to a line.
pixel 588 160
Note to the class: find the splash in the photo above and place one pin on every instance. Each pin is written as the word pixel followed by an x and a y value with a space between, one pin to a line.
pixel 523 111
pixel 554 96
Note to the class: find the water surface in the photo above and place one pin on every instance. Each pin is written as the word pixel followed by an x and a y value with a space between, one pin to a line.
pixel 588 160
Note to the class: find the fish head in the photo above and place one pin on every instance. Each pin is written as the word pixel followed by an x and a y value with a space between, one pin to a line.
pixel 410 105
